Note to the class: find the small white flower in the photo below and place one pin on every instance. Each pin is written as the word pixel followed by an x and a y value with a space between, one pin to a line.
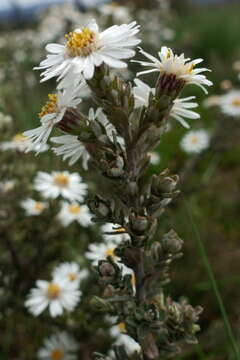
pixel 119 13
pixel 117 235
pixel 101 251
pixel 230 103
pixel 120 334
pixel 19 142
pixel 74 212
pixel 68 185
pixel 60 346
pixel 154 158
pixel 71 272
pixel 87 48
pixel 210 101
pixel 183 68
pixel 195 141
pixel 71 148
pixel 180 108
pixel 53 112
pixel 33 207
pixel 58 295
pixel 7 185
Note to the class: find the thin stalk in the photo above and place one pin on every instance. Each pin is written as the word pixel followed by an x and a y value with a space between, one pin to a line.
pixel 213 281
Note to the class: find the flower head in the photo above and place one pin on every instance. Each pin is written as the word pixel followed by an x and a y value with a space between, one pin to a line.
pixel 71 148
pixel 101 251
pixel 74 212
pixel 70 271
pixel 178 66
pixel 58 295
pixel 53 112
pixel 33 207
pixel 86 48
pixel 230 103
pixel 58 347
pixel 195 141
pixel 119 332
pixel 68 185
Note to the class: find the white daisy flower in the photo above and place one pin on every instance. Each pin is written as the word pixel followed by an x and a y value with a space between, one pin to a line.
pixel 117 233
pixel 58 295
pixel 33 207
pixel 171 64
pixel 100 251
pixel 86 48
pixel 71 148
pixel 53 112
pixel 68 185
pixel 60 346
pixel 70 271
pixel 230 103
pixel 74 212
pixel 180 108
pixel 195 141
pixel 120 334
pixel 154 158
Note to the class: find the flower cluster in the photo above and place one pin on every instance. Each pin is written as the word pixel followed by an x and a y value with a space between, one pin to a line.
pixel 59 294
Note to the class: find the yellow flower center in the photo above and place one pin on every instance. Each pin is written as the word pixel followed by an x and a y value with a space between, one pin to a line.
pixel 110 252
pixel 191 68
pixel 38 206
pixel 114 5
pixel 81 43
pixel 194 140
pixel 74 209
pixel 50 107
pixel 168 53
pixel 236 102
pixel 120 230
pixel 133 280
pixel 53 291
pixel 61 180
pixel 72 276
pixel 122 327
pixel 57 354
pixel 19 138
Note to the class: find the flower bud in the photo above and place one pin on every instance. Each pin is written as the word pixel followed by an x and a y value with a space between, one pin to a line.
pixel 171 242
pixel 139 224
pixel 106 269
pixel 99 207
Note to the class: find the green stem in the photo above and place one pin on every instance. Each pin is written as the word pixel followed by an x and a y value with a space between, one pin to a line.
pixel 213 281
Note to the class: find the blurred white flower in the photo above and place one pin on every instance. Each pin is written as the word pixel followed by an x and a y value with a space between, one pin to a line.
pixel 22 143
pixel 71 148
pixel 195 141
pixel 230 103
pixel 33 207
pixel 101 251
pixel 60 346
pixel 172 64
pixel 7 185
pixel 68 185
pixel 117 233
pixel 121 338
pixel 53 112
pixel 58 295
pixel 116 11
pixel 74 212
pixel 71 272
pixel 5 120
pixel 211 101
pixel 154 158
pixel 86 48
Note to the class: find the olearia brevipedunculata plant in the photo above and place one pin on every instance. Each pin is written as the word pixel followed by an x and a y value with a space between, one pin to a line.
pixel 117 144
